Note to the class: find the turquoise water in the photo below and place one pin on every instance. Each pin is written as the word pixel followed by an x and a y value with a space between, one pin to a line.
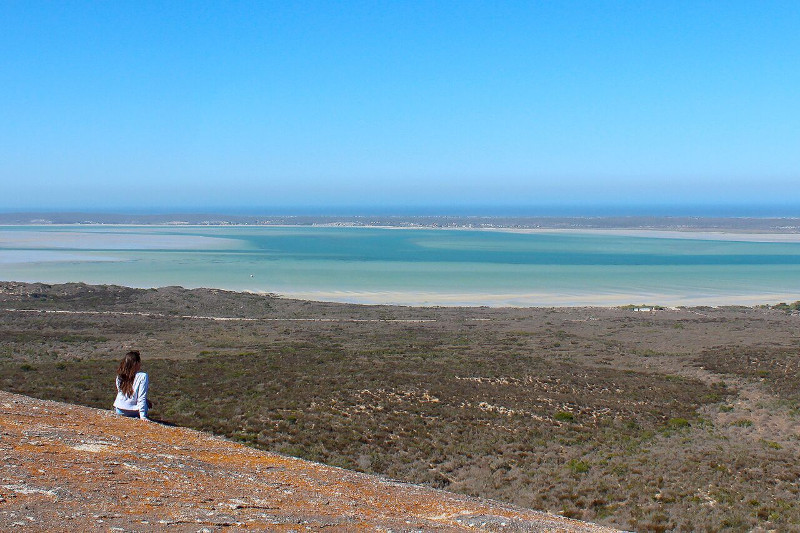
pixel 410 266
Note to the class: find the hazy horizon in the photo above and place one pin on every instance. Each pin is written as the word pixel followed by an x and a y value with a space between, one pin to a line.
pixel 456 105
pixel 701 211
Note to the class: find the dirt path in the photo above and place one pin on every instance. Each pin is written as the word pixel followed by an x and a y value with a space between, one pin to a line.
pixel 221 318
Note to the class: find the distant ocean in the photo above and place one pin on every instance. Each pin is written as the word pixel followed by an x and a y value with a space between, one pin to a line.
pixel 414 266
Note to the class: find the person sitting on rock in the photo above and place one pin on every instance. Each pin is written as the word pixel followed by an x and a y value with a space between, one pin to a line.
pixel 132 387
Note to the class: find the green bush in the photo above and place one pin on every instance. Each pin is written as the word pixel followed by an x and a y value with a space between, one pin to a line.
pixel 577 466
pixel 677 423
pixel 564 416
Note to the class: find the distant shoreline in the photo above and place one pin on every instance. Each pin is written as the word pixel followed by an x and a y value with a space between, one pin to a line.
pixel 696 233
pixel 679 225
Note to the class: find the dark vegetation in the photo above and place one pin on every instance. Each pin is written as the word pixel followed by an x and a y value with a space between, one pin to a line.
pixel 679 420
pixel 783 306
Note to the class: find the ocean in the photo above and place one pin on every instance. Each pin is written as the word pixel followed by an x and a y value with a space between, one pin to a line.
pixel 416 266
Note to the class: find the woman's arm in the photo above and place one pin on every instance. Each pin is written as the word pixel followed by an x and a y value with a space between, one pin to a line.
pixel 141 396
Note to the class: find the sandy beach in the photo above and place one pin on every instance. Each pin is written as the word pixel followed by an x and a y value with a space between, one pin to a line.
pixel 522 300
pixel 729 236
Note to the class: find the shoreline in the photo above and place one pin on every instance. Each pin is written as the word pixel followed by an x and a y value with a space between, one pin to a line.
pixel 399 299
pixel 524 301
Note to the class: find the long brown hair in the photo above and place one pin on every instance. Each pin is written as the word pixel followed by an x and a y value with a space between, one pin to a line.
pixel 127 371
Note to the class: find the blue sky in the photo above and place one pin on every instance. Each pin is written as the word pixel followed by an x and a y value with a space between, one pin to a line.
pixel 231 105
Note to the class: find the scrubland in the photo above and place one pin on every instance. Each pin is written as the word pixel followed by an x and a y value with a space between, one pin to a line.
pixel 677 419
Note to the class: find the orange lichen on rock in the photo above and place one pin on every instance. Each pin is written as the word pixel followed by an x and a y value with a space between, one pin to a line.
pixel 73 468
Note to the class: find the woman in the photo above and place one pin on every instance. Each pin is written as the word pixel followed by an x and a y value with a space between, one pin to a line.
pixel 132 387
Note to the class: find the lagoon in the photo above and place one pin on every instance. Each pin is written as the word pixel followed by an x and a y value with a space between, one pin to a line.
pixel 416 266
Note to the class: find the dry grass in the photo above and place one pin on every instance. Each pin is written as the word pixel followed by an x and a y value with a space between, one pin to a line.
pixel 611 416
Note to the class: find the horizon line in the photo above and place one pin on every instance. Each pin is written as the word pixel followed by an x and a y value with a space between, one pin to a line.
pixel 471 209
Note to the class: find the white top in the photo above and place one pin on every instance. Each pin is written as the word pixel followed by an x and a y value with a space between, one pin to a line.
pixel 138 400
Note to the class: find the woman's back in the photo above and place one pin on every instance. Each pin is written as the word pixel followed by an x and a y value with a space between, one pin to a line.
pixel 132 386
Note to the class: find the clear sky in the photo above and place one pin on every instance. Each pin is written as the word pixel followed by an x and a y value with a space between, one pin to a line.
pixel 226 105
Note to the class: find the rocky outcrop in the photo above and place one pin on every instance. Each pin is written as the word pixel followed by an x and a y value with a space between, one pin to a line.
pixel 67 467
